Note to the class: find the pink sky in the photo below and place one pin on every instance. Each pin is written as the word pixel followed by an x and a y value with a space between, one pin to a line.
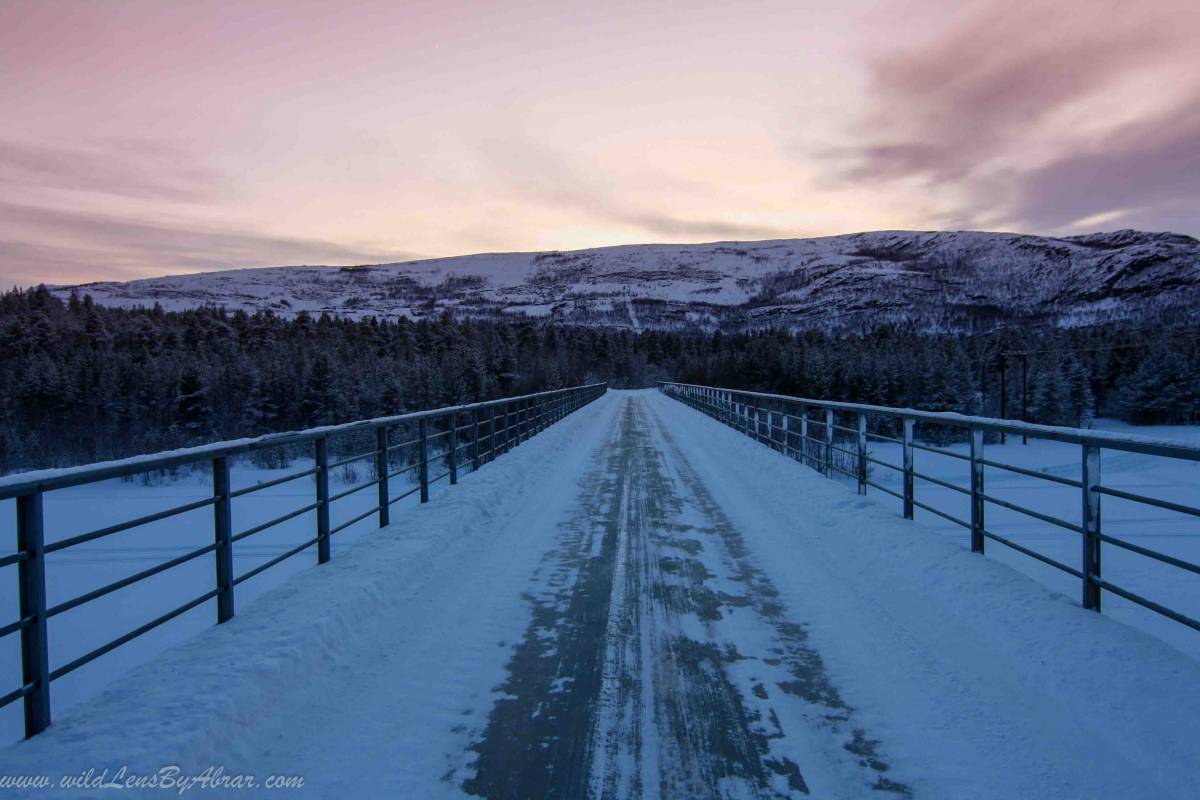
pixel 144 137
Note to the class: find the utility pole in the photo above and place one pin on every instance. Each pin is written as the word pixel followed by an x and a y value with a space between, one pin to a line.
pixel 1003 393
pixel 1024 393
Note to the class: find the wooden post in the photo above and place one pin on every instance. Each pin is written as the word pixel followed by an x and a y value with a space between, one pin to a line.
pixel 423 455
pixel 31 577
pixel 862 453
pixel 1091 526
pixel 977 490
pixel 381 470
pixel 223 538
pixel 909 482
pixel 322 463
pixel 1003 394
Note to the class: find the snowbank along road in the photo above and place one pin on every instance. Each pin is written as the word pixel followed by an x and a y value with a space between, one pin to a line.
pixel 640 603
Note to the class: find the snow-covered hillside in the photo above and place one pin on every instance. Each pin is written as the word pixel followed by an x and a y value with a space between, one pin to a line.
pixel 936 280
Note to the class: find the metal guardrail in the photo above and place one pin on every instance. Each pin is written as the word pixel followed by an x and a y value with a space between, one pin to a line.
pixel 474 434
pixel 784 423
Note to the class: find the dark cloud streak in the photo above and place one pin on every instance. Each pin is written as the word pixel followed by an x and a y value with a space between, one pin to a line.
pixel 944 113
pixel 139 170
pixel 40 244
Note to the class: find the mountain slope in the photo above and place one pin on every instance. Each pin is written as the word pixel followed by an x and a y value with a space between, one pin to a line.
pixel 934 280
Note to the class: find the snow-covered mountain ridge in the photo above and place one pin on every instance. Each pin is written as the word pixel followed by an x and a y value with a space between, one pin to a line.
pixel 935 280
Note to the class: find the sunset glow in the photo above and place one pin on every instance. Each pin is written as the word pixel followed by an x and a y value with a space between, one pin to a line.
pixel 150 138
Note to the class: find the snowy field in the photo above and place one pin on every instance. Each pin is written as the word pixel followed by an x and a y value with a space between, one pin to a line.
pixel 82 568
pixel 641 602
pixel 1164 531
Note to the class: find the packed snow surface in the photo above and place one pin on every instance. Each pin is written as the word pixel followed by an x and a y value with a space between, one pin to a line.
pixel 641 602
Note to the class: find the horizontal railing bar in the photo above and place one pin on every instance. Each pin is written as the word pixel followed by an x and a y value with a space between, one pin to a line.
pixel 13 558
pixel 16 694
pixel 403 470
pixel 1020 548
pixel 399 497
pixel 13 627
pixel 352 490
pixel 941 482
pixel 409 443
pixel 940 451
pixel 349 522
pixel 1033 473
pixel 359 457
pixel 845 472
pixel 62 544
pixel 1150 604
pixel 133 634
pixel 1163 557
pixel 874 460
pixel 50 479
pixel 1062 523
pixel 95 594
pixel 1089 439
pixel 1150 501
pixel 886 490
pixel 273 482
pixel 262 526
pixel 439 477
pixel 940 513
pixel 1125 442
pixel 268 564
pixel 851 431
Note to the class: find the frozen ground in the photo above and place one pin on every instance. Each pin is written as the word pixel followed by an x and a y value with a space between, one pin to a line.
pixel 640 602
pixel 1164 531
pixel 79 569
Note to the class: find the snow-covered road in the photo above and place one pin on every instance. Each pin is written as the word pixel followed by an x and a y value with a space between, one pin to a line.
pixel 640 602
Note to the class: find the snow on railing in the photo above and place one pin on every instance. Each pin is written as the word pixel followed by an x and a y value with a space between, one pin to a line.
pixel 473 434
pixel 784 423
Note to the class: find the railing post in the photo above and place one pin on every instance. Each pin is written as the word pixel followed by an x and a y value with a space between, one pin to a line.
pixel 31 575
pixel 475 439
pixel 452 459
pixel 862 453
pixel 976 490
pixel 223 538
pixel 829 443
pixel 322 463
pixel 423 455
pixel 507 428
pixel 909 478
pixel 804 436
pixel 381 470
pixel 787 436
pixel 772 428
pixel 491 434
pixel 1091 526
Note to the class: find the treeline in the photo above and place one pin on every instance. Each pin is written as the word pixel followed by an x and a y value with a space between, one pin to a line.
pixel 80 382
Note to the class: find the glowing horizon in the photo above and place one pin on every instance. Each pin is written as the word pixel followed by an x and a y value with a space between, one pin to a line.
pixel 139 138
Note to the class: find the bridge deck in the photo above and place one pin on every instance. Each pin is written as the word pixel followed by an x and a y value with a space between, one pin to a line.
pixel 641 603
